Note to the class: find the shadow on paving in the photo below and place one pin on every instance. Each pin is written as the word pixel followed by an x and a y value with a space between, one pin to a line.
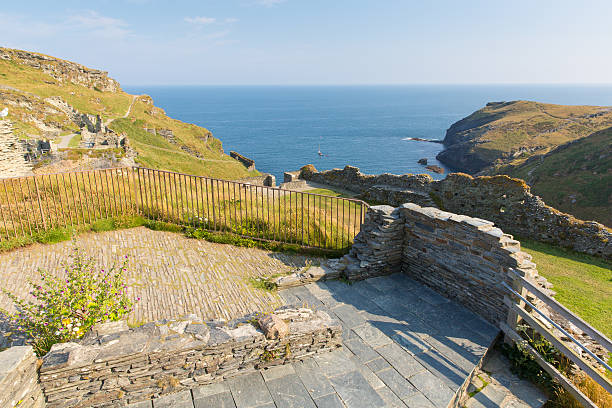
pixel 418 343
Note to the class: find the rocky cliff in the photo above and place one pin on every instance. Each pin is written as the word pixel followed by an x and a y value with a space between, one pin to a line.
pixel 62 71
pixel 510 132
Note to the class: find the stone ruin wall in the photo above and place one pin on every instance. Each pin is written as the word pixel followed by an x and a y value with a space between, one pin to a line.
pixel 460 257
pixel 114 365
pixel 19 379
pixel 12 160
pixel 507 202
pixel 248 163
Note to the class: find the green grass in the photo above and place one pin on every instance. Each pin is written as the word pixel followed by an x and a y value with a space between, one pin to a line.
pixel 75 141
pixel 583 283
pixel 576 179
pixel 328 192
pixel 154 151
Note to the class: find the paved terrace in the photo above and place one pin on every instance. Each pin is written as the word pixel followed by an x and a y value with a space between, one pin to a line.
pixel 404 346
pixel 173 275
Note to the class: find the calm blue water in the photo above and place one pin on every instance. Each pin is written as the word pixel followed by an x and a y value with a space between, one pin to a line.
pixel 280 127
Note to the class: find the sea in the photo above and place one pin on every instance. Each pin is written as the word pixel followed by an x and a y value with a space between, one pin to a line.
pixel 283 128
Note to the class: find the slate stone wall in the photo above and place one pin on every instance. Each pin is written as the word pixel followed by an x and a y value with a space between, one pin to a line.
pixel 267 180
pixel 19 379
pixel 377 249
pixel 248 163
pixel 460 257
pixel 507 202
pixel 116 365
pixel 12 153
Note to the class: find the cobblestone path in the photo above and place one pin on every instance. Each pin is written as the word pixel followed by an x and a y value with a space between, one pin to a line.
pixel 172 274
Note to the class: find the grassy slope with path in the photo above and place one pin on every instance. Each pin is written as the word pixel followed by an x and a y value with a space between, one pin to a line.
pixel 23 89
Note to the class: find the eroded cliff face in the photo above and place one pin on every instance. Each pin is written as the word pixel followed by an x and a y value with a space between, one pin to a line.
pixel 510 132
pixel 63 71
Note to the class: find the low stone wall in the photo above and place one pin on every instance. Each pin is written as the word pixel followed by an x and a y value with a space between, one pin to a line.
pixel 117 365
pixel 460 257
pixel 507 202
pixel 19 378
pixel 294 185
pixel 248 163
pixel 267 180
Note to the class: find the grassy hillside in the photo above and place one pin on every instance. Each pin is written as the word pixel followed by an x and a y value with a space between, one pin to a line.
pixel 574 178
pixel 28 80
pixel 583 283
pixel 510 132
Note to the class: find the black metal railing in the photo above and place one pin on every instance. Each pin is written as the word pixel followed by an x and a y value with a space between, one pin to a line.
pixel 35 204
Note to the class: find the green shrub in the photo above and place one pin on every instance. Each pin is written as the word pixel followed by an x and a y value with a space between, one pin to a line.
pixel 67 307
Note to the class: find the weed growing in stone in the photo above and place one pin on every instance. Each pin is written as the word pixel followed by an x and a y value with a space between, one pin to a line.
pixel 66 307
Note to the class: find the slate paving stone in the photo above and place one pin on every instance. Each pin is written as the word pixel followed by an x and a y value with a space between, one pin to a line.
pixel 433 388
pixel 382 283
pixel 249 391
pixel 484 328
pixel 334 363
pixel 349 316
pixel 315 382
pixel 289 298
pixel 391 400
pixel 355 391
pixel 443 368
pixel 378 364
pixel 273 373
pixel 222 400
pixel 396 383
pixel 372 379
pixel 289 392
pixel 141 404
pixel 180 399
pixel 419 401
pixel 372 336
pixel 363 352
pixel 403 362
pixel 410 341
pixel 458 354
pixel 329 401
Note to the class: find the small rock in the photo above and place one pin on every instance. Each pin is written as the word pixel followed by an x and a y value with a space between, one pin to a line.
pixel 273 327
pixel 423 161
pixel 435 169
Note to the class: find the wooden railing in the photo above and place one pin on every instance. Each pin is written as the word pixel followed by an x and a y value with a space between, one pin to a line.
pixel 36 204
pixel 522 310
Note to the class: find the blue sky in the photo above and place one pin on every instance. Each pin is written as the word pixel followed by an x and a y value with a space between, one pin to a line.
pixel 321 41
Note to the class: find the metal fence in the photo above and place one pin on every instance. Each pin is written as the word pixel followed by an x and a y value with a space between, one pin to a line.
pixel 522 309
pixel 36 204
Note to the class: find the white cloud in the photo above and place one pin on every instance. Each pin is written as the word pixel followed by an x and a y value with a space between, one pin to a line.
pixel 99 25
pixel 270 3
pixel 201 20
pixel 231 20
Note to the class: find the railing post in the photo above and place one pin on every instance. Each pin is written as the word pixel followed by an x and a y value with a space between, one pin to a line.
pixel 513 317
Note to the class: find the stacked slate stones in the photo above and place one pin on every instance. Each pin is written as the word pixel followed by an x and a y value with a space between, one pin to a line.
pixel 377 249
pixel 12 160
pixel 114 365
pixel 19 378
